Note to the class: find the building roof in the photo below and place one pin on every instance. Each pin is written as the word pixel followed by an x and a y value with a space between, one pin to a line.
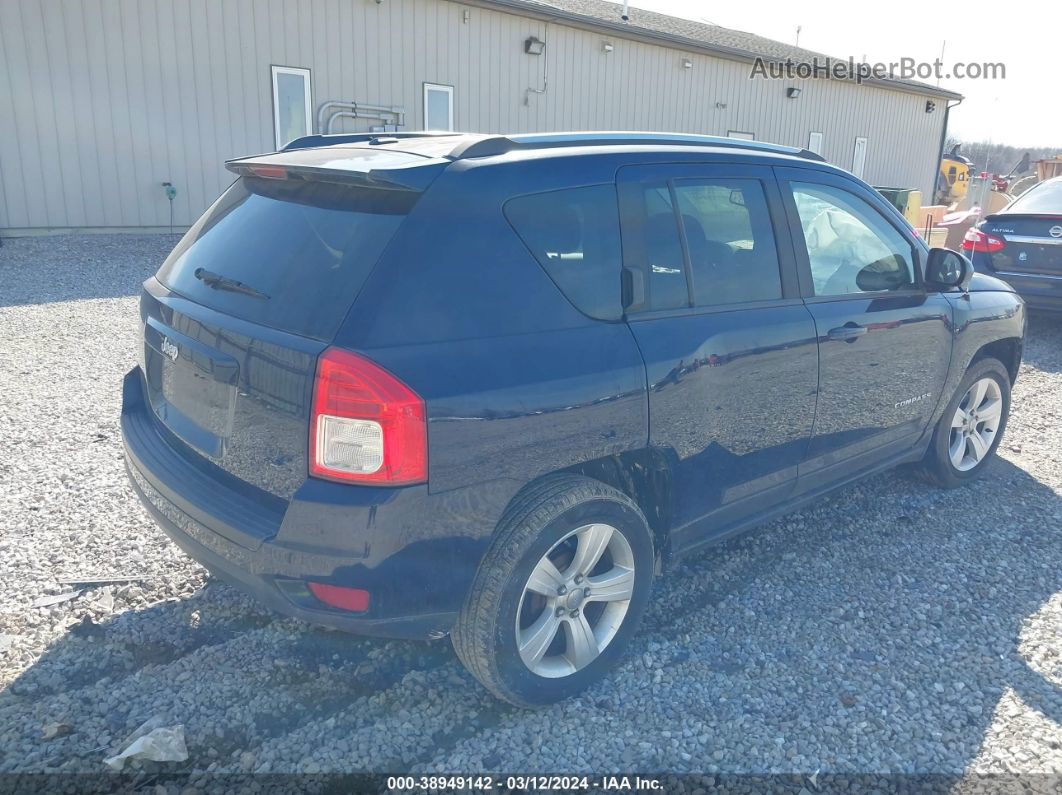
pixel 691 34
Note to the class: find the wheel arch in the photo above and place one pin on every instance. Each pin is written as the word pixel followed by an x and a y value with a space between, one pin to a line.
pixel 1007 350
pixel 645 476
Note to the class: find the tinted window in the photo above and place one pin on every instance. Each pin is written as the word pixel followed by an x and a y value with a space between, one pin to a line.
pixel 302 248
pixel 1043 198
pixel 851 247
pixel 574 234
pixel 730 241
pixel 663 250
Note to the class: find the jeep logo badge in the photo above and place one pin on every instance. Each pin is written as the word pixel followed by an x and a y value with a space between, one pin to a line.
pixel 1055 231
pixel 169 349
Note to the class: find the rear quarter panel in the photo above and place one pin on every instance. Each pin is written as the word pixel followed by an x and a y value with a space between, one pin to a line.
pixel 518 383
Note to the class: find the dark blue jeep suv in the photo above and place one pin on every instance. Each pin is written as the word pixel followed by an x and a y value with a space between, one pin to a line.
pixel 490 386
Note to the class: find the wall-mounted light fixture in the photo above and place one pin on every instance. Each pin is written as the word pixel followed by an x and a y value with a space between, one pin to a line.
pixel 930 106
pixel 720 105
pixel 607 47
pixel 534 46
pixel 466 15
pixel 687 63
pixel 792 92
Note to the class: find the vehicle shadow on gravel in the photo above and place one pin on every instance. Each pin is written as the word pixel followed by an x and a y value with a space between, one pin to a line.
pixel 893 617
pixel 235 675
pixel 908 638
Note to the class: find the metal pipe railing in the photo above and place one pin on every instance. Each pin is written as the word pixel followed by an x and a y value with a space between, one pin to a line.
pixel 347 114
pixel 358 110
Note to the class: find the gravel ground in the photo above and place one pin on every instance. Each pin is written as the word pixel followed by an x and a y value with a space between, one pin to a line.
pixel 891 628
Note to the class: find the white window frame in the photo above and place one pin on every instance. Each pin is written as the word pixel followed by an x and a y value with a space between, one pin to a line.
pixel 859 158
pixel 449 91
pixel 815 142
pixel 305 75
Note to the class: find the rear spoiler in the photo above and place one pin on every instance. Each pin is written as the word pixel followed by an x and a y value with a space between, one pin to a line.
pixel 331 139
pixel 412 173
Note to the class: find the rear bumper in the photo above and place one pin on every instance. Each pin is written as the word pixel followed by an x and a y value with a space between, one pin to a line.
pixel 1042 302
pixel 416 553
pixel 236 567
pixel 1040 291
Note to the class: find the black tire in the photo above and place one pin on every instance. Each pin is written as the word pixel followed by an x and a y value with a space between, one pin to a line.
pixel 937 466
pixel 541 516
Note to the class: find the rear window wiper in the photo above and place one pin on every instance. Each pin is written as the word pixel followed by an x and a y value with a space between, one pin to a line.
pixel 219 282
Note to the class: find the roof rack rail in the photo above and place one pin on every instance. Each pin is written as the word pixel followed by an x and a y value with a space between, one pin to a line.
pixel 330 139
pixel 501 144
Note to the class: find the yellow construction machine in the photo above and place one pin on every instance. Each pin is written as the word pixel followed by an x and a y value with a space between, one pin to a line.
pixel 954 178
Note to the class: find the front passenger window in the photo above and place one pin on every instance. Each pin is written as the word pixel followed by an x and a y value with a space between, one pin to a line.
pixel 851 247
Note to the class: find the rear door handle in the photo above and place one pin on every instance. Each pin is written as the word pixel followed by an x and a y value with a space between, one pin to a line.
pixel 847 333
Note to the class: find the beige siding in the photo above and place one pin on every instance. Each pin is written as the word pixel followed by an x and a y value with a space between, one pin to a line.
pixel 103 100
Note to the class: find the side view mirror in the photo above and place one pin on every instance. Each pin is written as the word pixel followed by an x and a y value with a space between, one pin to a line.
pixel 886 274
pixel 946 268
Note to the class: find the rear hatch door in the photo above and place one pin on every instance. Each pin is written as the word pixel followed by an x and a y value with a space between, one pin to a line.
pixel 236 317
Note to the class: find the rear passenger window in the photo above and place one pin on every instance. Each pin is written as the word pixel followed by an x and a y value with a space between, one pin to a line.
pixel 574 234
pixel 663 250
pixel 729 243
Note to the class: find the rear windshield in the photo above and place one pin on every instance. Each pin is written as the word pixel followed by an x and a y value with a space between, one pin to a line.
pixel 288 254
pixel 1045 199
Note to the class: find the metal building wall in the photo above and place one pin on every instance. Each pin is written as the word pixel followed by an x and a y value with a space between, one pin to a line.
pixel 103 100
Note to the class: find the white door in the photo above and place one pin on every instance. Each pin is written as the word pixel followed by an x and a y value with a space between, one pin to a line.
pixel 815 143
pixel 859 157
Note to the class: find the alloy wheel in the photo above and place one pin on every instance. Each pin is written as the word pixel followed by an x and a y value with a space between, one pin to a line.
pixel 975 424
pixel 575 600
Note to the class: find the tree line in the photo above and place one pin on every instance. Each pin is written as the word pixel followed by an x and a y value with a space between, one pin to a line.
pixel 1001 158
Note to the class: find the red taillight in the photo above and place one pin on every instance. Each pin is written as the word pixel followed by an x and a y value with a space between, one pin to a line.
pixel 976 240
pixel 353 599
pixel 366 425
